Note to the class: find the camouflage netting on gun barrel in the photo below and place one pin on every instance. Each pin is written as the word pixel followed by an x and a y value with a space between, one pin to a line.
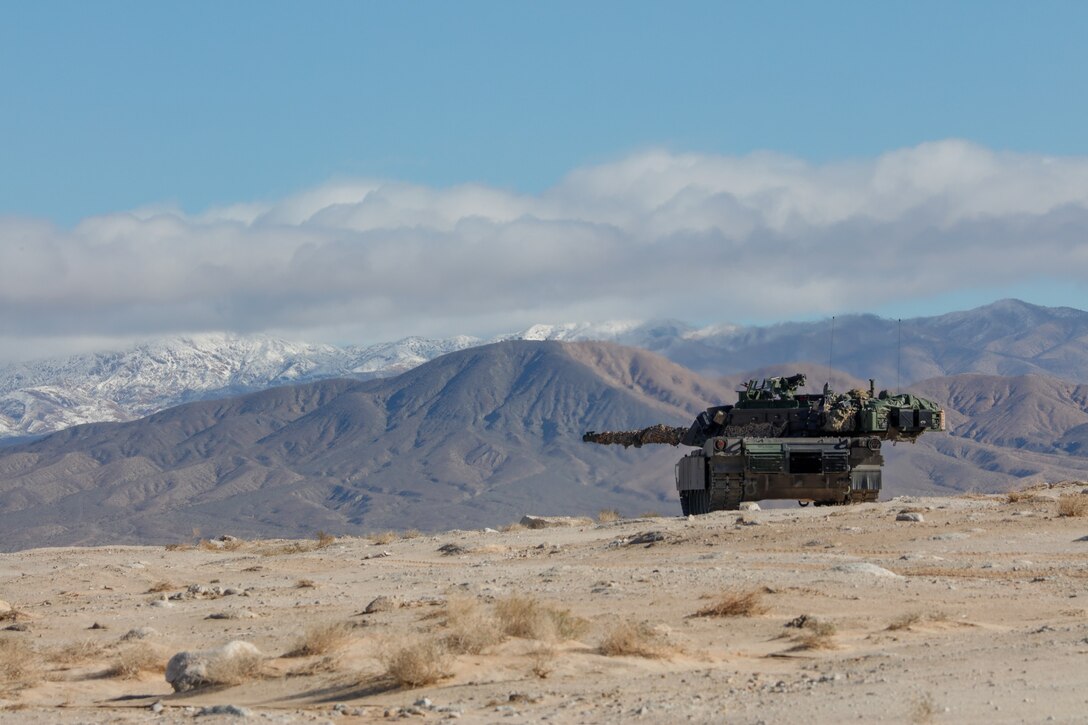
pixel 660 434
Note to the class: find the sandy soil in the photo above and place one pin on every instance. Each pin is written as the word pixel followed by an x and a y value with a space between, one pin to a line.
pixel 979 613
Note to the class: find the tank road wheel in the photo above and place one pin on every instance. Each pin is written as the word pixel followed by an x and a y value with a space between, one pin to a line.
pixel 695 503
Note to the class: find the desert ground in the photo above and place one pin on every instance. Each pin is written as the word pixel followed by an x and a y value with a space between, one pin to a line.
pixel 977 612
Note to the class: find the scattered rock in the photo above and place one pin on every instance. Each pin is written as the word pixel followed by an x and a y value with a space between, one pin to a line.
pixel 379 555
pixel 954 536
pixel 452 549
pixel 233 614
pixel 742 521
pixel 799 622
pixel 96 625
pixel 1083 538
pixel 139 633
pixel 649 538
pixel 4 606
pixel 749 506
pixel 157 707
pixel 17 627
pixel 910 516
pixel 234 710
pixel 547 522
pixel 190 670
pixel 864 567
pixel 381 604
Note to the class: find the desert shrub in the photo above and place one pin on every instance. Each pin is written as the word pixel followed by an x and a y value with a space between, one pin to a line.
pixel 382 537
pixel 905 621
pixel 321 639
pixel 1073 504
pixel 604 516
pixel 815 635
pixel 516 526
pixel 735 604
pixel 411 534
pixel 240 668
pixel 650 515
pixel 637 639
pixel 81 650
pixel 305 584
pixel 529 618
pixel 324 539
pixel 19 662
pixel 469 627
pixel 542 659
pixel 135 659
pixel 161 586
pixel 418 663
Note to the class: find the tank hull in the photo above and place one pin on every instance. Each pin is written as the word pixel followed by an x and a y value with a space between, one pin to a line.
pixel 726 472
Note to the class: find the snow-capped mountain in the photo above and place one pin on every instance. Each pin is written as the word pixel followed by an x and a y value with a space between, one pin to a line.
pixel 1008 337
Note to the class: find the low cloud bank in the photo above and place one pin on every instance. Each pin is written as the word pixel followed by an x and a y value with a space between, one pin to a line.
pixel 653 235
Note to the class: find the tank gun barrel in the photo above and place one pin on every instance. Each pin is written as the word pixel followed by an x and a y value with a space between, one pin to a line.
pixel 655 434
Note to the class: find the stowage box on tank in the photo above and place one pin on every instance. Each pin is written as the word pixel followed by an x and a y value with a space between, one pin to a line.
pixel 776 443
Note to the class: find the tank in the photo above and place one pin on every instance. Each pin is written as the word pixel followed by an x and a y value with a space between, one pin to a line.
pixel 777 443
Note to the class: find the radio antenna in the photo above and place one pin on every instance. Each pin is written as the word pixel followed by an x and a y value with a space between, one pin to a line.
pixel 831 347
pixel 899 357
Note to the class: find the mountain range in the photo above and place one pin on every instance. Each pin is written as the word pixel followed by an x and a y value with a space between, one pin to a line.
pixel 473 438
pixel 1008 338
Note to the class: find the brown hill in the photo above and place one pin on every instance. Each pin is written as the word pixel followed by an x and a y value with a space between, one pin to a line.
pixel 474 438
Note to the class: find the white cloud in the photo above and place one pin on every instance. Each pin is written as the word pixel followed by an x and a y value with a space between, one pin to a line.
pixel 698 237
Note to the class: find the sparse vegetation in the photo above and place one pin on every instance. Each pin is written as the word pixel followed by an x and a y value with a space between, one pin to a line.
pixel 324 539
pixel 382 538
pixel 305 584
pixel 19 662
pixel 1073 504
pixel 411 534
pixel 531 619
pixel 905 621
pixel 736 604
pixel 924 709
pixel 543 658
pixel 419 663
pixel 814 634
pixel 81 650
pixel 161 586
pixel 470 627
pixel 605 516
pixel 516 526
pixel 635 639
pixel 322 639
pixel 650 515
pixel 237 669
pixel 135 659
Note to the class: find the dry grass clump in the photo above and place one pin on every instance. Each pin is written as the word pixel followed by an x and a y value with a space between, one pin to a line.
pixel 235 670
pixel 321 639
pixel 382 537
pixel 161 586
pixel 1073 504
pixel 223 544
pixel 650 515
pixel 530 618
pixel 305 584
pixel 814 635
pixel 81 650
pixel 543 658
pixel 19 662
pixel 470 627
pixel 136 659
pixel 736 604
pixel 924 709
pixel 516 526
pixel 324 539
pixel 636 639
pixel 419 663
pixel 605 516
pixel 905 621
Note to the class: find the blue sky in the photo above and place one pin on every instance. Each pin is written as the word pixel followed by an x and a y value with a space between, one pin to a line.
pixel 398 127
pixel 114 105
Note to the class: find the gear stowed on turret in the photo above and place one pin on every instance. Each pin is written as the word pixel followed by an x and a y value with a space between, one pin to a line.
pixel 776 443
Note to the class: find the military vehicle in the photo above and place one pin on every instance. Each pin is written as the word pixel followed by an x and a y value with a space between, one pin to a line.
pixel 776 443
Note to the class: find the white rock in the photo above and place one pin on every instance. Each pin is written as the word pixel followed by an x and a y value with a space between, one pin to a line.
pixel 749 506
pixel 545 522
pixel 910 516
pixel 189 670
pixel 864 567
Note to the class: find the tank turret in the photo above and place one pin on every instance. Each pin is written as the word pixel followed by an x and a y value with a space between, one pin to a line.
pixel 778 443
